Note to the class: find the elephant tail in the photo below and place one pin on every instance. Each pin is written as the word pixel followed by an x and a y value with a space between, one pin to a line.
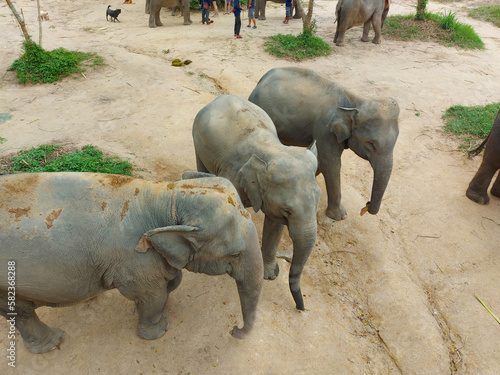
pixel 478 149
pixel 337 10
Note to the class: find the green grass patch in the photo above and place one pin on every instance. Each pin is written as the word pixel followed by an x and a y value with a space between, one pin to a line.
pixel 2 140
pixel 50 158
pixel 487 13
pixel 37 65
pixel 301 47
pixel 474 121
pixel 443 28
pixel 470 123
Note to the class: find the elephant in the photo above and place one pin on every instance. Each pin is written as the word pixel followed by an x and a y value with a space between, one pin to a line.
pixel 260 8
pixel 336 118
pixel 153 8
pixel 351 13
pixel 69 236
pixel 477 190
pixel 235 139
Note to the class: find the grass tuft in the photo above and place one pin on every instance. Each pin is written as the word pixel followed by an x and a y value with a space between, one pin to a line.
pixel 301 47
pixel 46 158
pixel 37 65
pixel 443 28
pixel 487 13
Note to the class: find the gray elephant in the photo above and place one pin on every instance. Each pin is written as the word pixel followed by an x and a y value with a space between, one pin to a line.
pixel 260 8
pixel 236 139
pixel 68 236
pixel 478 187
pixel 351 13
pixel 336 119
pixel 153 8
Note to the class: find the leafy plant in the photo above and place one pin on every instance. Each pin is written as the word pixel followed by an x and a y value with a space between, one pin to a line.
pixel 37 65
pixel 303 46
pixel 487 13
pixel 2 140
pixel 441 28
pixel 46 158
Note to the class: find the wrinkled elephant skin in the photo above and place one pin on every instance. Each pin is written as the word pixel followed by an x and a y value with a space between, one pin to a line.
pixel 234 138
pixel 478 187
pixel 74 235
pixel 351 13
pixel 336 119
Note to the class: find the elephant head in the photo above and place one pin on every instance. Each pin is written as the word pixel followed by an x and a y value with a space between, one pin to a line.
pixel 286 190
pixel 370 129
pixel 225 243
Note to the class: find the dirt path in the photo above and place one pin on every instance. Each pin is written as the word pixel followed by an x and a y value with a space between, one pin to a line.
pixel 392 293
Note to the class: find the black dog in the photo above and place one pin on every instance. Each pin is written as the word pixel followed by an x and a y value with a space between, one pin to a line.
pixel 113 13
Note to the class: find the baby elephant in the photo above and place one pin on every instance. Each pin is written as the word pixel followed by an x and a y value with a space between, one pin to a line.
pixel 478 187
pixel 113 13
pixel 68 236
pixel 236 139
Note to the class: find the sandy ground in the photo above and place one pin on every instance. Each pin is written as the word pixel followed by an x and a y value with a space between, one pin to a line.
pixel 391 293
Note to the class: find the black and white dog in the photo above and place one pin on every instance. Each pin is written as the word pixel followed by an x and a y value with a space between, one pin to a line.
pixel 113 13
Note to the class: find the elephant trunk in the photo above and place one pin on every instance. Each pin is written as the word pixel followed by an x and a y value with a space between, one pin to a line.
pixel 303 242
pixel 382 169
pixel 249 279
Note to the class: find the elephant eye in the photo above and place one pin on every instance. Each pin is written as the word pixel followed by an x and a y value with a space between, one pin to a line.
pixel 371 145
pixel 287 212
pixel 235 255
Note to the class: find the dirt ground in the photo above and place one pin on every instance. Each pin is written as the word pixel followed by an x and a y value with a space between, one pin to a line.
pixel 391 293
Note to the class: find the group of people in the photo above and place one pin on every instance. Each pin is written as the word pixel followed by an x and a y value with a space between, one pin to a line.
pixel 234 7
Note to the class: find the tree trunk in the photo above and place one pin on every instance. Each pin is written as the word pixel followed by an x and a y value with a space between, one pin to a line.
pixel 421 4
pixel 306 18
pixel 20 20
pixel 39 23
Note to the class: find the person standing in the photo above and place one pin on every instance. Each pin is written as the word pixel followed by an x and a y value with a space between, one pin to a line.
pixel 205 12
pixel 228 7
pixel 251 13
pixel 288 6
pixel 237 19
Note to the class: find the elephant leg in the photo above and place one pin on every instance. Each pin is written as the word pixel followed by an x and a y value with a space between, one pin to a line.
pixel 377 27
pixel 271 235
pixel 366 30
pixel 478 187
pixel 297 14
pixel 37 336
pixel 331 172
pixel 150 305
pixel 339 35
pixel 495 190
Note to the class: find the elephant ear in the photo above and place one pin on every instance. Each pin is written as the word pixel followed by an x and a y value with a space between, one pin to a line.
pixel 252 179
pixel 342 123
pixel 177 243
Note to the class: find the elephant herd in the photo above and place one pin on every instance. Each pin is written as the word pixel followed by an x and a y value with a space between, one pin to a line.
pixel 67 237
pixel 349 13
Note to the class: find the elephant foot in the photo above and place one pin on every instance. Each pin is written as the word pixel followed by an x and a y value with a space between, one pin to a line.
pixel 187 23
pixel 376 41
pixel 262 18
pixel 271 271
pixel 239 333
pixel 296 17
pixel 339 44
pixel 336 214
pixel 51 340
pixel 365 39
pixel 477 197
pixel 152 26
pixel 495 191
pixel 151 331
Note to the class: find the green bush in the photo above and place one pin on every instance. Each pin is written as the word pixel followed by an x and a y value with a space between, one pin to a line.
pixel 46 159
pixel 39 66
